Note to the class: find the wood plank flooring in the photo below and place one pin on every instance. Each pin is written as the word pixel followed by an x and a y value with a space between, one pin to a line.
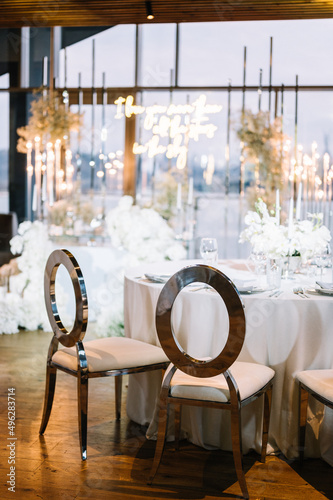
pixel 119 456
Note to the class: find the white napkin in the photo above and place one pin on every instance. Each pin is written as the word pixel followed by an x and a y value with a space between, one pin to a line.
pixel 325 286
pixel 244 286
pixel 157 278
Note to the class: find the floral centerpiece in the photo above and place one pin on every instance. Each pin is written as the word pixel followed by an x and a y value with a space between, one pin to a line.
pixel 22 302
pixel 139 235
pixel 50 119
pixel 262 149
pixel 142 232
pixel 304 239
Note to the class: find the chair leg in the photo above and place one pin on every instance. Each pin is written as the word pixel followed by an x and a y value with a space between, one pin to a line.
pixel 118 385
pixel 51 376
pixel 236 439
pixel 265 423
pixel 82 397
pixel 303 397
pixel 177 425
pixel 161 435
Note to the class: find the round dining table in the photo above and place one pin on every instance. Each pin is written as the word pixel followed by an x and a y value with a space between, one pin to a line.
pixel 287 331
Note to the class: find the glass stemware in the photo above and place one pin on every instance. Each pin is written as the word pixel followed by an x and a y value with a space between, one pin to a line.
pixel 259 260
pixel 209 250
pixel 274 269
pixel 323 259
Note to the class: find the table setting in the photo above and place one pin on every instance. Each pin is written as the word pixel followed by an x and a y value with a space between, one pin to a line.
pixel 289 318
pixel 269 282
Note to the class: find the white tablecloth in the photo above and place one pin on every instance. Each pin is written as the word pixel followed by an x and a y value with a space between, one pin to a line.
pixel 288 333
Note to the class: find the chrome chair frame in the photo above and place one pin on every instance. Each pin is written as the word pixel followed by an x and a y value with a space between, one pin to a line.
pixel 303 398
pixel 75 338
pixel 199 368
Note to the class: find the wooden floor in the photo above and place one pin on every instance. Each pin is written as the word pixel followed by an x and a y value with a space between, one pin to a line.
pixel 119 456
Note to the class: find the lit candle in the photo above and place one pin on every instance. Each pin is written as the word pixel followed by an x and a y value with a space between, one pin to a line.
pixel 38 176
pixel 314 169
pixel 49 168
pixel 51 195
pixel 299 202
pixel 44 186
pixel 69 170
pixel 190 192
pixel 291 216
pixel 45 63
pixel 57 168
pixel 29 174
pixel 179 196
pixel 29 149
pixel 326 166
pixel 277 207
pixel 34 199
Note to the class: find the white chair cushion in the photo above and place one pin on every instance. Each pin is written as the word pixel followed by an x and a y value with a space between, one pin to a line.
pixel 250 378
pixel 319 381
pixel 112 353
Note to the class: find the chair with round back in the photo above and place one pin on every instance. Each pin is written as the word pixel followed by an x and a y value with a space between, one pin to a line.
pixel 318 384
pixel 188 381
pixel 104 357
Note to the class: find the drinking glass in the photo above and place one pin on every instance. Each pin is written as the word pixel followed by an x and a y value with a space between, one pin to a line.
pixel 273 269
pixel 209 251
pixel 259 260
pixel 323 259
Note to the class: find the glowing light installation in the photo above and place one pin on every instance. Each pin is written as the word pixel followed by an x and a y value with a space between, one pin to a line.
pixel 168 122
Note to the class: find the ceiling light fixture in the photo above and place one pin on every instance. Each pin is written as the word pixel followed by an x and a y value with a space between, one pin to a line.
pixel 149 10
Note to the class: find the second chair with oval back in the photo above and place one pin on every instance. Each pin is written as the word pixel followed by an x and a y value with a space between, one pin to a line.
pixel 221 382
pixel 103 357
pixel 319 385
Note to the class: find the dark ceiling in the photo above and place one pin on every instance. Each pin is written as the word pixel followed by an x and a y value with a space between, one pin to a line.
pixel 43 13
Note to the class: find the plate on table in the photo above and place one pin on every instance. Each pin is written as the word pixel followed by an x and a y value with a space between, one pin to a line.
pixel 157 278
pixel 321 291
pixel 248 286
pixel 254 289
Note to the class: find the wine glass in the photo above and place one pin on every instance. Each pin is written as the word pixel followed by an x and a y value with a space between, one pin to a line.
pixel 323 259
pixel 259 260
pixel 209 251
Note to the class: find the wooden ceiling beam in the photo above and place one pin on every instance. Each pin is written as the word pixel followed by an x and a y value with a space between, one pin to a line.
pixel 19 13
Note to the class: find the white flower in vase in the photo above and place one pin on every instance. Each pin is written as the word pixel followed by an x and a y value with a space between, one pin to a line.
pixel 140 231
pixel 303 239
pixel 262 232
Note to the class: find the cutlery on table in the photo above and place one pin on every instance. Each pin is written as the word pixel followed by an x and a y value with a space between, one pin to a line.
pixel 275 294
pixel 299 291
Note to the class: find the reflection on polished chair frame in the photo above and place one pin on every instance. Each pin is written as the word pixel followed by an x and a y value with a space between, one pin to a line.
pixel 112 356
pixel 318 384
pixel 238 383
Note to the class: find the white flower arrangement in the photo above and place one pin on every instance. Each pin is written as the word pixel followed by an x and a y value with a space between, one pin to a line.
pixel 142 232
pixel 303 238
pixel 144 236
pixel 309 237
pixel 24 306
